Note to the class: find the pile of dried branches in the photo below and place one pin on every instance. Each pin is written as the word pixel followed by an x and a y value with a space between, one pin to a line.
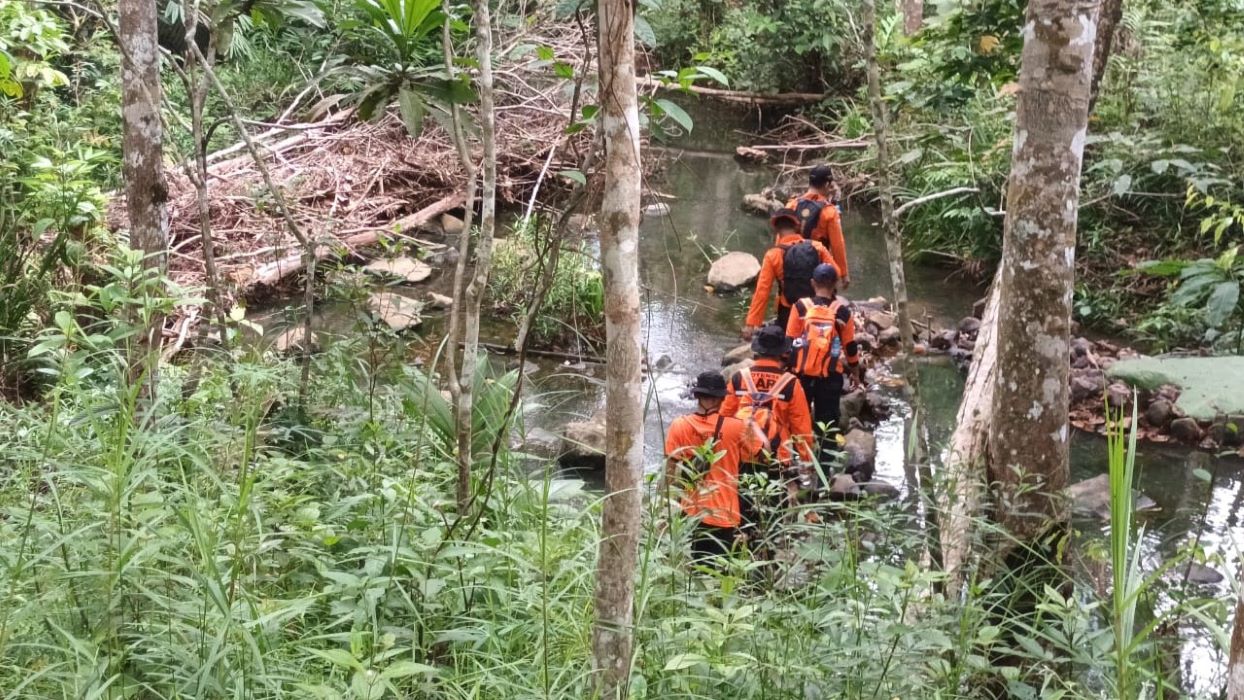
pixel 343 177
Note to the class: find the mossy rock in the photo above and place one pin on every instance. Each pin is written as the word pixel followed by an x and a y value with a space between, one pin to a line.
pixel 1209 386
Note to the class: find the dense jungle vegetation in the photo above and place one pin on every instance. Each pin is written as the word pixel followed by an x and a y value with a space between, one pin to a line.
pixel 263 524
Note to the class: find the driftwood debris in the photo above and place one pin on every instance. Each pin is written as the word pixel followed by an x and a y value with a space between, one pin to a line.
pixel 752 98
pixel 270 273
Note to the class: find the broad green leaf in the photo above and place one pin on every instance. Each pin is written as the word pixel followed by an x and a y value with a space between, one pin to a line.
pixel 544 53
pixel 1122 185
pixel 404 669
pixel 1222 302
pixel 644 33
pixel 1202 474
pixel 1192 289
pixel 563 70
pixel 412 109
pixel 683 661
pixel 337 657
pixel 1162 268
pixel 1159 166
pixel 715 75
pixel 678 114
pixel 574 175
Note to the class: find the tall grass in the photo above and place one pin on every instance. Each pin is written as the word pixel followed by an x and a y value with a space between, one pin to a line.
pixel 1124 552
pixel 192 550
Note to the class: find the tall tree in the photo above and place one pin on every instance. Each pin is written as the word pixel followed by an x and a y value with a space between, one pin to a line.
pixel 474 291
pixel 913 15
pixel 624 446
pixel 146 191
pixel 1028 436
pixel 1235 657
pixel 885 179
pixel 1107 25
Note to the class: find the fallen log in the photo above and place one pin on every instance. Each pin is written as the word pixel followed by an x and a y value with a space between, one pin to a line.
pixel 827 146
pixel 271 273
pixel 551 354
pixel 753 98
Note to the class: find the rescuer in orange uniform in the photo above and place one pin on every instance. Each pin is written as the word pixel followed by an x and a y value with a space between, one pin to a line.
pixel 790 263
pixel 703 451
pixel 822 334
pixel 820 219
pixel 771 402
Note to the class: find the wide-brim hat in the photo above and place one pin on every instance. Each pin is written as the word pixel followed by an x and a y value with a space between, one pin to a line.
pixel 711 384
pixel 787 214
pixel 770 341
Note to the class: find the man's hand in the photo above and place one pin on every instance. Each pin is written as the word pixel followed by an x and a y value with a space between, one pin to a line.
pixel 748 332
pixel 845 282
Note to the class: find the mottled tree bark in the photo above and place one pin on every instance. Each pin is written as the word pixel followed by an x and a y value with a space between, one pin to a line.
pixel 146 192
pixel 885 178
pixel 913 15
pixel 1028 440
pixel 1235 657
pixel 474 292
pixel 612 634
pixel 963 469
pixel 1107 24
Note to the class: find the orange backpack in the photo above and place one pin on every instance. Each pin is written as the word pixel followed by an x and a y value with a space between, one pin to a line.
pixel 756 408
pixel 818 350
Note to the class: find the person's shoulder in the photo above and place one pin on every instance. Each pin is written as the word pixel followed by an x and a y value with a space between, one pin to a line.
pixel 844 309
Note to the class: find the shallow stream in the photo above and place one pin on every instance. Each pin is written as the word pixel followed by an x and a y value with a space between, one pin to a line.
pixel 694 328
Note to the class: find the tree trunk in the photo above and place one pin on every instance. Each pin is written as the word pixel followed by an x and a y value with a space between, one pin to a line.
pixel 1235 657
pixel 624 445
pixel 885 184
pixel 913 15
pixel 146 192
pixel 1028 440
pixel 196 89
pixel 483 248
pixel 1107 24
pixel 964 464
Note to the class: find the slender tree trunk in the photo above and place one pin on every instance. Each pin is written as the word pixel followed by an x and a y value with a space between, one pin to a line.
pixel 964 465
pixel 483 248
pixel 146 192
pixel 1107 25
pixel 196 89
pixel 885 181
pixel 913 15
pixel 1028 436
pixel 612 635
pixel 1235 657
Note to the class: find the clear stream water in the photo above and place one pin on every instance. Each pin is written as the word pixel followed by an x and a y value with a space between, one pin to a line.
pixel 694 328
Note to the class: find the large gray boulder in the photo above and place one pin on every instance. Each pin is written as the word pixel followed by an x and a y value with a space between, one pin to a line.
pixel 733 270
pixel 1091 497
pixel 395 310
pixel 583 442
pixel 737 354
pixel 861 449
pixel 1208 386
pixel 403 268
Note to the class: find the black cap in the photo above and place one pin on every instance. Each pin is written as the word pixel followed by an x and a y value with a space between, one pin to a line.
pixel 770 341
pixel 788 215
pixel 825 274
pixel 709 384
pixel 821 175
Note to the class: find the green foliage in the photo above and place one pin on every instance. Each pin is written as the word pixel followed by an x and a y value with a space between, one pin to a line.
pixel 1211 288
pixel 761 46
pixel 412 73
pixel 574 307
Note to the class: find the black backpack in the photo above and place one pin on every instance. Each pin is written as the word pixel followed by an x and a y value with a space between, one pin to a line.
pixel 809 212
pixel 798 262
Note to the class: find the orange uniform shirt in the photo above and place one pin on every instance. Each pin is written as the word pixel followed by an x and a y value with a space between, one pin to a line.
pixel 828 230
pixel 771 271
pixel 790 408
pixel 715 496
pixel 846 329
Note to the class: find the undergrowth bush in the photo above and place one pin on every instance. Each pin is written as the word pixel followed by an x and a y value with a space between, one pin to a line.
pixel 187 548
pixel 573 310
